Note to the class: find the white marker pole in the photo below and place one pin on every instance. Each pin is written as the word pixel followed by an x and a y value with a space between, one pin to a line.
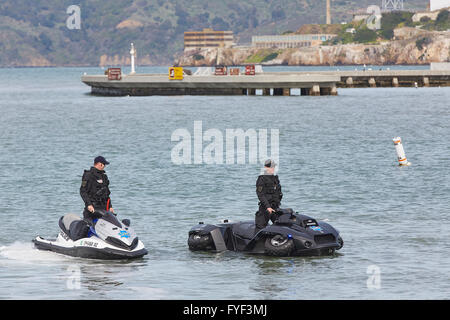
pixel 133 55
pixel 402 161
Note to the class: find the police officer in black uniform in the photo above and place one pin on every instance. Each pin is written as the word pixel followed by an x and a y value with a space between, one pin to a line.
pixel 268 190
pixel 94 190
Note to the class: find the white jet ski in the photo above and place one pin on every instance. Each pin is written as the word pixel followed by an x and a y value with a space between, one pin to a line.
pixel 108 239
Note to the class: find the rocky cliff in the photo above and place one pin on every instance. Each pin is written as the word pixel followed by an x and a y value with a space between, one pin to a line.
pixel 411 46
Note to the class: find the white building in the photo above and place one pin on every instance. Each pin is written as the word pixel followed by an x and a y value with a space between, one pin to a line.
pixel 439 4
pixel 291 40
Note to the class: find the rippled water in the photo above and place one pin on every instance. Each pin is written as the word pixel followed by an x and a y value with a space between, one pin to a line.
pixel 337 162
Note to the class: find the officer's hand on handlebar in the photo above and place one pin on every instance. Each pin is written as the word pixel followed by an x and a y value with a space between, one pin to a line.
pixel 270 210
pixel 91 208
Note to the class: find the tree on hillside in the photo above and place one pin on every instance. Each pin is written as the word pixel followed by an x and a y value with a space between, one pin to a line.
pixel 365 35
pixel 391 20
pixel 443 20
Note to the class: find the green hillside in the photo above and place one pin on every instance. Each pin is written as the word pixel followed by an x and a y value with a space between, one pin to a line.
pixel 35 33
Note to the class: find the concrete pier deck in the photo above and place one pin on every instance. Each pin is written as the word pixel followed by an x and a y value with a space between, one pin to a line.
pixel 271 83
pixel 159 84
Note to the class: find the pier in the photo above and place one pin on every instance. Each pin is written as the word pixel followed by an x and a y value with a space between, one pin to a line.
pixel 394 78
pixel 160 84
pixel 268 83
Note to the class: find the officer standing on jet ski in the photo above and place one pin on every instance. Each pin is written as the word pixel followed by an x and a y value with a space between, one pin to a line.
pixel 94 190
pixel 268 190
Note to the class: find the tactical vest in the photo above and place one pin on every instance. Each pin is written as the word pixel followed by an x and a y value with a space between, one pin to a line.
pixel 271 188
pixel 98 190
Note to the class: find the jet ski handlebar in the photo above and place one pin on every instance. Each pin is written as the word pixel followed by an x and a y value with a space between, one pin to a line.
pixel 284 215
pixel 280 212
pixel 102 212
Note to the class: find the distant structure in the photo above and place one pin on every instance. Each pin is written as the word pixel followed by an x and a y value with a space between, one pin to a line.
pixel 328 11
pixel 432 11
pixel 208 38
pixel 133 57
pixel 430 14
pixel 439 4
pixel 291 40
pixel 392 5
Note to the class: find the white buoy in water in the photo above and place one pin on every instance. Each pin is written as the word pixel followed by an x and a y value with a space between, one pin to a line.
pixel 402 161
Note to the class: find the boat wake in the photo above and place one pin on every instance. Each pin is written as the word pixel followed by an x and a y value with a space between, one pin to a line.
pixel 25 252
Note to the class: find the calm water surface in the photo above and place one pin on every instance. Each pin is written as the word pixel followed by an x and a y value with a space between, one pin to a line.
pixel 337 162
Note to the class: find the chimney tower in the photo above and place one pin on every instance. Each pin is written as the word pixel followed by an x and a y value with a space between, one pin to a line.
pixel 328 12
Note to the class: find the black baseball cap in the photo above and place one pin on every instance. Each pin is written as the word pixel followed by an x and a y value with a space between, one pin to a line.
pixel 101 160
pixel 270 163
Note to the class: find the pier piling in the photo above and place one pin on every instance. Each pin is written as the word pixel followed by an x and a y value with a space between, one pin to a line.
pixel 395 82
pixel 315 90
pixel 349 82
pixel 334 91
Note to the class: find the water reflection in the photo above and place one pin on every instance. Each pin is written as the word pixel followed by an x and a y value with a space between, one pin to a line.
pixel 102 277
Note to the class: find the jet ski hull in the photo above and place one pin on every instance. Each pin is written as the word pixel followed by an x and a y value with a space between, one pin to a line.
pixel 90 248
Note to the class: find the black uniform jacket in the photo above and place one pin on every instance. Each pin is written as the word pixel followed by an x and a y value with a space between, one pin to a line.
pixel 268 190
pixel 94 188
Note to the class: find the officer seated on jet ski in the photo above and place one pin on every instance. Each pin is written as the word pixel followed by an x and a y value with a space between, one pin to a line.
pixel 94 190
pixel 268 190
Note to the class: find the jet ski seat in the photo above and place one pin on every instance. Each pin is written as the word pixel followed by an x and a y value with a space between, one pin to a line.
pixel 245 229
pixel 69 218
pixel 73 226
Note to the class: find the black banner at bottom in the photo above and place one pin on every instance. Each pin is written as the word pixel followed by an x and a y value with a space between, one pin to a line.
pixel 225 309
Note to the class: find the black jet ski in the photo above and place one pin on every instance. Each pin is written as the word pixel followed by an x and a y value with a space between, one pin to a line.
pixel 107 239
pixel 291 234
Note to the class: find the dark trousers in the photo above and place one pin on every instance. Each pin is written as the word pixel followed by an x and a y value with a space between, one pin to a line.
pixel 262 218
